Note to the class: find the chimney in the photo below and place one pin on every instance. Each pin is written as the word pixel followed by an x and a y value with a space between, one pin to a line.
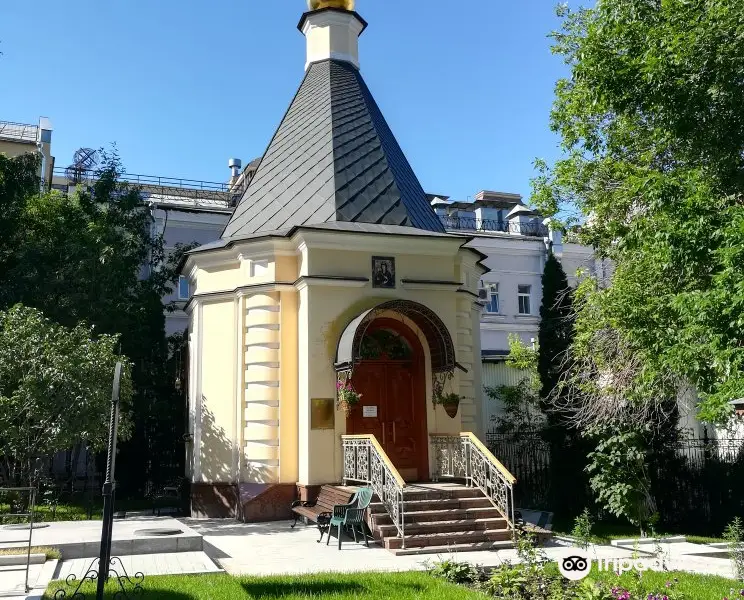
pixel 234 164
pixel 332 30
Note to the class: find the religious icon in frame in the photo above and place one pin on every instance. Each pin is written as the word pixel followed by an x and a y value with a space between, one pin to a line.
pixel 383 272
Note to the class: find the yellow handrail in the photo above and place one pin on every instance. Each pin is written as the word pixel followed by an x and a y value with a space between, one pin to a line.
pixel 495 461
pixel 384 457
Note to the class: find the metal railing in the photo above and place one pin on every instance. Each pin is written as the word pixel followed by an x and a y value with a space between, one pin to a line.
pixel 532 229
pixel 465 457
pixel 15 515
pixel 366 462
pixel 173 189
pixel 23 132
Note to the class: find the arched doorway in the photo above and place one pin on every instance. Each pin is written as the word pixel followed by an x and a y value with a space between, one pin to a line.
pixel 390 376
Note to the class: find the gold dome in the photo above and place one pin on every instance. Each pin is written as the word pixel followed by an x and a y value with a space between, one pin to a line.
pixel 342 4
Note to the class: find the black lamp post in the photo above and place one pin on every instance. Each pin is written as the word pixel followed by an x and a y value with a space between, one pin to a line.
pixel 109 486
pixel 107 566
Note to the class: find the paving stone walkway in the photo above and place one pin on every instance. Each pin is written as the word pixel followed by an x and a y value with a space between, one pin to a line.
pixel 276 549
pixel 173 563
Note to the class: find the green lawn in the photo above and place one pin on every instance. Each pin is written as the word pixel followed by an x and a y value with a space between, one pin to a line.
pixel 357 586
pixel 604 533
pixel 694 587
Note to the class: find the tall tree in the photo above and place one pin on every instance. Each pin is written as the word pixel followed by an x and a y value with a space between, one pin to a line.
pixel 94 257
pixel 556 325
pixel 652 127
pixel 55 390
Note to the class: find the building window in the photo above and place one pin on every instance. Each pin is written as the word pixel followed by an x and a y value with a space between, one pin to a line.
pixel 492 306
pixel 524 292
pixel 184 293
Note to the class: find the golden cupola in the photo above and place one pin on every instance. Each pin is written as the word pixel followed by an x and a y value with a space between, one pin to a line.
pixel 342 4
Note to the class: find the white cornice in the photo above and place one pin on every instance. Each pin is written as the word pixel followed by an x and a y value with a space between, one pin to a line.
pixel 376 243
pixel 234 254
pixel 432 286
pixel 510 327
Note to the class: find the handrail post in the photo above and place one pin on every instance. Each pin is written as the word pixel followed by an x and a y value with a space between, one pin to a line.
pixel 402 516
pixel 466 460
pixel 512 511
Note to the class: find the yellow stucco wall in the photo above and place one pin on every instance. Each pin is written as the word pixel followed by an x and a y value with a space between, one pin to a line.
pixel 215 441
pixel 267 351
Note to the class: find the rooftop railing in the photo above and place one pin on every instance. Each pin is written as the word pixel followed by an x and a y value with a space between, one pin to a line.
pixel 22 132
pixel 532 229
pixel 170 190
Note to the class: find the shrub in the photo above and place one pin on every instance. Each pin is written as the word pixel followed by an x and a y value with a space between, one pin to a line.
pixel 456 572
pixel 734 536
pixel 582 530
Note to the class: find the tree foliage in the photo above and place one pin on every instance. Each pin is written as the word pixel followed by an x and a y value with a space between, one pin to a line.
pixel 652 126
pixel 520 404
pixel 94 257
pixel 55 390
pixel 556 325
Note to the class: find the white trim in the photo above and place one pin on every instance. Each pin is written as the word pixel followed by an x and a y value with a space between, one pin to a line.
pixel 509 327
pixel 238 389
pixel 431 287
pixel 388 243
pixel 320 281
pixel 199 408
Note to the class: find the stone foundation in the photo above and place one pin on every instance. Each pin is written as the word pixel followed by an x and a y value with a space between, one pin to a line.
pixel 266 502
pixel 214 500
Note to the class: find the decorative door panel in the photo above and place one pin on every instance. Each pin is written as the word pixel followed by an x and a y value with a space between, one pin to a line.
pixel 390 378
pixel 369 378
pixel 403 429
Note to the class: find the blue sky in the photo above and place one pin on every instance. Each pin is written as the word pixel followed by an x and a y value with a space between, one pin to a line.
pixel 180 87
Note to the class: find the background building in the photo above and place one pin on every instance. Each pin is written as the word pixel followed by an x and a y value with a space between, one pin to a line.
pixel 515 240
pixel 21 138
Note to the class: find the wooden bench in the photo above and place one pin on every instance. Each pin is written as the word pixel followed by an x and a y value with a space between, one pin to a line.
pixel 321 510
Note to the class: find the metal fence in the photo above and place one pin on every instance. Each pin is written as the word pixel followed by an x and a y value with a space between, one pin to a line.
pixel 527 456
pixel 697 483
pixel 533 228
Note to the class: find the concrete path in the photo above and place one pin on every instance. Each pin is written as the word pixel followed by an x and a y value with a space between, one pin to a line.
pixel 275 549
pixel 81 539
pixel 12 580
pixel 174 563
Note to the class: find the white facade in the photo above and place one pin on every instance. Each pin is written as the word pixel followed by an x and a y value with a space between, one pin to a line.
pixel 182 226
pixel 515 242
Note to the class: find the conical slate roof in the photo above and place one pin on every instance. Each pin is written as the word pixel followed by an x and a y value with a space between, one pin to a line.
pixel 333 158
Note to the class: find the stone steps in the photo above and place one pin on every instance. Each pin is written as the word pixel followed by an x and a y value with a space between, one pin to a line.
pixel 443 527
pixel 436 504
pixel 468 537
pixel 428 516
pixel 440 518
pixel 470 547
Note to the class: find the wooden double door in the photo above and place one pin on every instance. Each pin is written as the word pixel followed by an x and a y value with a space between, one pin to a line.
pixel 393 408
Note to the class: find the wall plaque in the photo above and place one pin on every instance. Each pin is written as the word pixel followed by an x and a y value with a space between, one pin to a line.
pixel 322 413
pixel 369 411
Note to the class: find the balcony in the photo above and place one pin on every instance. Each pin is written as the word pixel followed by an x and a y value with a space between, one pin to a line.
pixel 531 229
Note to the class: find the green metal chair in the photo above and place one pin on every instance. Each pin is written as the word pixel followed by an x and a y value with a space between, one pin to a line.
pixel 351 515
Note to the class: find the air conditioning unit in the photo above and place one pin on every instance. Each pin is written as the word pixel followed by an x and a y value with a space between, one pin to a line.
pixel 483 294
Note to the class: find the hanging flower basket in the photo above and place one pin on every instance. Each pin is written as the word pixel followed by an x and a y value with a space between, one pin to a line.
pixel 450 403
pixel 448 400
pixel 347 396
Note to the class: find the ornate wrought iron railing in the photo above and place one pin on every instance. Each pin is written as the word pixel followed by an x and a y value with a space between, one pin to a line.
pixel 534 228
pixel 366 462
pixel 465 457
